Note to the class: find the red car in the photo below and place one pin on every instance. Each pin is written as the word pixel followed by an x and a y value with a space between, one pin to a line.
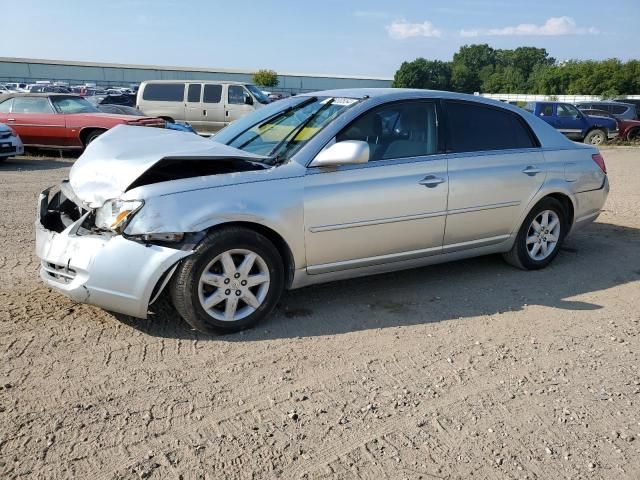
pixel 628 129
pixel 64 121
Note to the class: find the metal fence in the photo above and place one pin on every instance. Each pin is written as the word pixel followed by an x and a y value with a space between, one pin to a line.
pixel 526 97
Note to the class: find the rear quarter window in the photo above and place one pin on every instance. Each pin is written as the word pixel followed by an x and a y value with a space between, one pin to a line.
pixel 473 127
pixel 5 107
pixel 164 92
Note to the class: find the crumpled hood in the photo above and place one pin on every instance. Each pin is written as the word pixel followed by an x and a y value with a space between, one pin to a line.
pixel 118 157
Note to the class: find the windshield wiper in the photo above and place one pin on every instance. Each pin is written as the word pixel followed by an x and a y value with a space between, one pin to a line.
pixel 277 159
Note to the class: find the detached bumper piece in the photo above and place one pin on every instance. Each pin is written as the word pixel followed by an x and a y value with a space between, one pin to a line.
pixel 99 268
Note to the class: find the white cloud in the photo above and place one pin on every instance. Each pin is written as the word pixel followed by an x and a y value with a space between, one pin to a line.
pixel 401 29
pixel 554 26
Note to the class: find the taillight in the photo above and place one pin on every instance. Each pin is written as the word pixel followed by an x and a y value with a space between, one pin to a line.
pixel 600 161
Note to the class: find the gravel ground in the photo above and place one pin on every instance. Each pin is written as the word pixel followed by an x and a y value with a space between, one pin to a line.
pixel 465 370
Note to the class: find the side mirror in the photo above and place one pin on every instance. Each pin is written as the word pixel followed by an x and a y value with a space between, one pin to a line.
pixel 348 152
pixel 248 100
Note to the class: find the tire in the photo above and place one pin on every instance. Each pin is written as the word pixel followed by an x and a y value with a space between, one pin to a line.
pixel 522 253
pixel 634 134
pixel 595 137
pixel 190 292
pixel 92 136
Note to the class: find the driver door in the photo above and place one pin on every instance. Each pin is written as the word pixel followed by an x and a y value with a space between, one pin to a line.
pixel 569 121
pixel 391 208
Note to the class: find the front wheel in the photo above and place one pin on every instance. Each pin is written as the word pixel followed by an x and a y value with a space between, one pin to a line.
pixel 540 236
pixel 595 137
pixel 233 280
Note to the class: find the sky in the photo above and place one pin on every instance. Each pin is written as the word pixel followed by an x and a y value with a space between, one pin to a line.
pixel 350 37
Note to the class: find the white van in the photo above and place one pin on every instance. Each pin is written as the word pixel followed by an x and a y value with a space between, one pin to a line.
pixel 207 105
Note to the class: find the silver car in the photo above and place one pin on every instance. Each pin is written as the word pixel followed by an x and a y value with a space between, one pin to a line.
pixel 10 143
pixel 315 188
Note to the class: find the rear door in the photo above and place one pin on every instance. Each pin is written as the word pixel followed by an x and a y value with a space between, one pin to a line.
pixel 236 106
pixel 36 122
pixel 495 168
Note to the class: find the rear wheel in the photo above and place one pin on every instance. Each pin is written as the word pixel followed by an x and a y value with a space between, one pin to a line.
pixel 233 280
pixel 596 137
pixel 540 236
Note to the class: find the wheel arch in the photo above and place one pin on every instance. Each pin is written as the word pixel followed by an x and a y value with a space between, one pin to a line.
pixel 567 200
pixel 278 241
pixel 86 131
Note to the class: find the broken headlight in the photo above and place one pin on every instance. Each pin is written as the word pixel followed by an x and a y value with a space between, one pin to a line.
pixel 114 214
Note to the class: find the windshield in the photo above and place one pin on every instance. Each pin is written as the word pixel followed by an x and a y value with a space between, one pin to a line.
pixel 284 127
pixel 256 92
pixel 73 105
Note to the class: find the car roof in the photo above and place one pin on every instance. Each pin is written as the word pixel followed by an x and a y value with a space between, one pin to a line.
pixel 195 81
pixel 605 102
pixel 407 93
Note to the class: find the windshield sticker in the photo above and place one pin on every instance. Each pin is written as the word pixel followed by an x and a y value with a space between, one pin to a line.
pixel 340 101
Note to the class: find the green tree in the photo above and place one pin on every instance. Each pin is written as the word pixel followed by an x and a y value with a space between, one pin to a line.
pixel 266 78
pixel 421 73
pixel 468 63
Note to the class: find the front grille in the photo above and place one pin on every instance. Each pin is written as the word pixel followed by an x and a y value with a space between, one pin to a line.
pixel 59 273
pixel 7 149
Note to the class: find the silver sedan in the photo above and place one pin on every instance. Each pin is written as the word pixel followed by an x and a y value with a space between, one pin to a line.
pixel 315 188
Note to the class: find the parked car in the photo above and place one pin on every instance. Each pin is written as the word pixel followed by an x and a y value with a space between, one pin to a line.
pixel 125 110
pixel 568 120
pixel 621 111
pixel 5 90
pixel 16 86
pixel 60 120
pixel 628 129
pixel 10 143
pixel 634 101
pixel 207 105
pixel 112 99
pixel 319 187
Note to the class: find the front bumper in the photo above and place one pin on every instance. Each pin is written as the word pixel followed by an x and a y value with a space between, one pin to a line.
pixel 10 146
pixel 105 270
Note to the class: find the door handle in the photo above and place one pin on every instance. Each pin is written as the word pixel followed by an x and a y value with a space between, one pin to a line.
pixel 226 113
pixel 204 112
pixel 431 181
pixel 531 170
pixel 11 119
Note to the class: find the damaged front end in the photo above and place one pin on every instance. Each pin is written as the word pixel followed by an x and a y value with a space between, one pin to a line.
pixel 97 265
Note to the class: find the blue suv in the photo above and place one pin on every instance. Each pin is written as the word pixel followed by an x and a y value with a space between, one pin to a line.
pixel 567 119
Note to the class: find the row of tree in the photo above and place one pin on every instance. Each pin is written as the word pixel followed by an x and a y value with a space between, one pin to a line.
pixel 481 68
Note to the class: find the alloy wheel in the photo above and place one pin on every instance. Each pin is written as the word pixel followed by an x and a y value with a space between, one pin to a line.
pixel 543 235
pixel 234 285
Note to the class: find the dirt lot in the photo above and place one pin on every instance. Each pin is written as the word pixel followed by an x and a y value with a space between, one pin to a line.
pixel 464 370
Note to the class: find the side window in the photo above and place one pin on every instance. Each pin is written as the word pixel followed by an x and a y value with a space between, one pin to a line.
pixel 236 95
pixel 618 109
pixel 473 127
pixel 193 93
pixel 164 92
pixel 5 107
pixel 399 130
pixel 567 111
pixel 31 105
pixel 546 110
pixel 212 93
